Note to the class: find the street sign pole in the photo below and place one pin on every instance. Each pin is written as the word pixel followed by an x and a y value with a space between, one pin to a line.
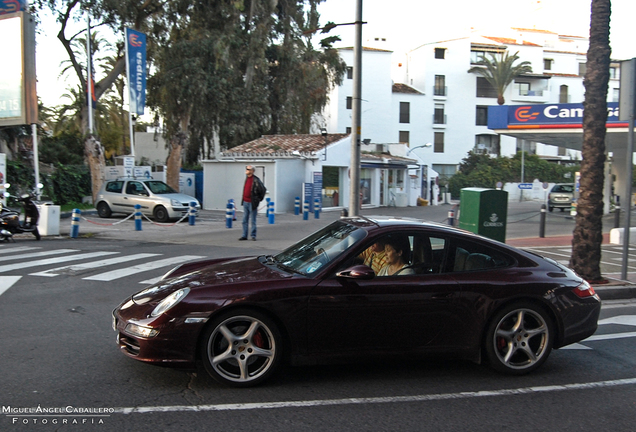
pixel 627 111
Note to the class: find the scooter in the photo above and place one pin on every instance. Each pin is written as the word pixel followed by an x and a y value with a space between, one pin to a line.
pixel 10 222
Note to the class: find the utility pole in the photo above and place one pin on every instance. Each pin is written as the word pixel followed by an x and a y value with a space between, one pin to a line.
pixel 354 197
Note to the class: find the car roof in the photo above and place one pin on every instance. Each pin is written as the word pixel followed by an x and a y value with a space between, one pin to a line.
pixel 389 221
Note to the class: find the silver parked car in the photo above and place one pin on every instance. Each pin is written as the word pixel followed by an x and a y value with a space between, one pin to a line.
pixel 561 196
pixel 157 199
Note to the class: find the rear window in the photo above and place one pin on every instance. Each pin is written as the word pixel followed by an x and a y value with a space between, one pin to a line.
pixel 114 186
pixel 563 188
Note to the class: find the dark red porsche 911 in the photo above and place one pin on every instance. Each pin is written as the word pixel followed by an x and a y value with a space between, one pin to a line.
pixel 438 290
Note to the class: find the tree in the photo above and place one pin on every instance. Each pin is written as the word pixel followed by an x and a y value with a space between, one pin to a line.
pixel 114 14
pixel 588 231
pixel 500 72
pixel 232 71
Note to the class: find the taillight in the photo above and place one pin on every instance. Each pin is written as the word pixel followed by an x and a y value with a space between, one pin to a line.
pixel 584 290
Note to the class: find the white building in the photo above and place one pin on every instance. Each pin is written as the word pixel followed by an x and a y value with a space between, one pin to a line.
pixel 427 95
pixel 316 166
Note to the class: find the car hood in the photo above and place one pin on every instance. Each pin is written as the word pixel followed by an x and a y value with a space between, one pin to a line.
pixel 231 272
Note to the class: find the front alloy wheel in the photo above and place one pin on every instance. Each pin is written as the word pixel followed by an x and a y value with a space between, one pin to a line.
pixel 519 339
pixel 241 348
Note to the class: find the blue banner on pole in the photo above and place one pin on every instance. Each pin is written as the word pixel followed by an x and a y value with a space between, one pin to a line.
pixel 136 62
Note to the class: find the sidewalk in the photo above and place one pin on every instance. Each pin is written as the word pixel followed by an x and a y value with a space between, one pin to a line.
pixel 210 229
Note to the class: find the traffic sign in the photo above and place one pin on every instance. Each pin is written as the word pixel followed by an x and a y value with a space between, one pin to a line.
pixel 525 185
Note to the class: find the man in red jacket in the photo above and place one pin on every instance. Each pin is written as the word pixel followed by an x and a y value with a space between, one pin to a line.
pixel 253 194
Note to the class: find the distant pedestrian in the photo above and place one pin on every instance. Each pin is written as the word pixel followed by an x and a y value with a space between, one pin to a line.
pixel 253 193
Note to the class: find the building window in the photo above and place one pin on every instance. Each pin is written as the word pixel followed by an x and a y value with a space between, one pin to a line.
pixel 547 64
pixel 477 56
pixel 486 143
pixel 438 116
pixel 404 137
pixel 582 69
pixel 485 89
pixel 405 112
pixel 349 72
pixel 438 145
pixel 440 85
pixel 562 151
pixel 524 88
pixel 440 53
pixel 616 95
pixel 481 116
pixel 563 94
pixel 348 129
pixel 613 73
pixel 349 102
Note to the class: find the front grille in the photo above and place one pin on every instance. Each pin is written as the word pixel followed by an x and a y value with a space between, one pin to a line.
pixel 130 345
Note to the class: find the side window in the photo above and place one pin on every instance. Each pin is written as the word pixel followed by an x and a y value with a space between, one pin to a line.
pixel 466 256
pixel 114 186
pixel 405 254
pixel 135 188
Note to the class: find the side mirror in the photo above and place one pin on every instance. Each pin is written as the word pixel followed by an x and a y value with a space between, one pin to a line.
pixel 357 272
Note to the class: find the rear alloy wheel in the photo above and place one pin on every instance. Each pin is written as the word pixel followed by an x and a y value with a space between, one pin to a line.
pixel 519 339
pixel 241 348
pixel 161 214
pixel 103 210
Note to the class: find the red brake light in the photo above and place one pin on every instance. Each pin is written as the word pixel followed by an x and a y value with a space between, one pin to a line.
pixel 584 290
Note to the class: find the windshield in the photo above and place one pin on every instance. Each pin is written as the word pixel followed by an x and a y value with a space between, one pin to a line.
pixel 317 250
pixel 158 187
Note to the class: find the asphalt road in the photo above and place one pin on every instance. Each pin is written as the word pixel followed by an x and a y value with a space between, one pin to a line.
pixel 58 351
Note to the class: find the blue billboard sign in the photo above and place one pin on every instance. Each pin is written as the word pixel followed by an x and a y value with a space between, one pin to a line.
pixel 546 116
pixel 136 69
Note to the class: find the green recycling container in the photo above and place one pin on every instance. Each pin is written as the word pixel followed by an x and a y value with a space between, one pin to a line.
pixel 484 212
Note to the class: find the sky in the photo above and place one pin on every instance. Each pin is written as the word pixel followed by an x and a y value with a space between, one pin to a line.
pixel 407 24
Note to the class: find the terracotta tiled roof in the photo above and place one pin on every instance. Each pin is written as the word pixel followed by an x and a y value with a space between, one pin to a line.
pixel 510 41
pixel 533 30
pixel 283 145
pixel 367 49
pixel 403 88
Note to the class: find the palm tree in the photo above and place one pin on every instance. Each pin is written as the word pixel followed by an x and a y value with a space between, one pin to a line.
pixel 588 231
pixel 500 72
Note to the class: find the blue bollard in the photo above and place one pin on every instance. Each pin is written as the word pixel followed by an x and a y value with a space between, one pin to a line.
pixel 316 208
pixel 306 210
pixel 271 212
pixel 233 209
pixel 268 206
pixel 137 217
pixel 297 206
pixel 228 215
pixel 75 221
pixel 192 214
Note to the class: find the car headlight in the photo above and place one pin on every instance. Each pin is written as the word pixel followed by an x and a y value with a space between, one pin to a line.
pixel 176 203
pixel 170 301
pixel 141 331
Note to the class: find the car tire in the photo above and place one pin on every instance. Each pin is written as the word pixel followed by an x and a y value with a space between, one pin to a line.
pixel 241 348
pixel 562 209
pixel 519 338
pixel 103 210
pixel 550 209
pixel 161 214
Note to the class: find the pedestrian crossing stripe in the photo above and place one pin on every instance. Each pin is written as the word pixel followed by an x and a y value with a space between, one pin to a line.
pixel 4 250
pixel 120 273
pixel 93 264
pixel 49 261
pixel 30 256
